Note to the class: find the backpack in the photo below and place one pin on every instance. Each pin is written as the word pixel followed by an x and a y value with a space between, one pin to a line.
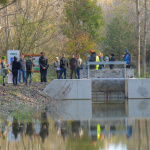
pixel 29 65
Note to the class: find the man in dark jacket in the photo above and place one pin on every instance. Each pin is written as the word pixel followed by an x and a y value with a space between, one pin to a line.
pixel 22 68
pixel 43 62
pixel 73 66
pixel 63 66
pixel 92 59
pixel 15 68
pixel 112 58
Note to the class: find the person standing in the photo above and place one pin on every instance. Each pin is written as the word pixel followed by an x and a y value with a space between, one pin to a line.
pixel 127 57
pixel 4 68
pixel 43 62
pixel 79 65
pixel 73 66
pixel 15 68
pixel 63 66
pixel 112 58
pixel 101 60
pixel 22 69
pixel 29 70
pixel 92 59
pixel 88 57
pixel 57 66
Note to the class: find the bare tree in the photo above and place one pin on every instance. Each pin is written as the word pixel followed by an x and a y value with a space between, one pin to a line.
pixel 145 40
pixel 138 40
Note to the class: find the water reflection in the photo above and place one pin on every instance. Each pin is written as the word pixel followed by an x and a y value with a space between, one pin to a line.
pixel 81 124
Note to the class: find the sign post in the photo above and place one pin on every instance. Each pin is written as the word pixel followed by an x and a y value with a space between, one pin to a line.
pixel 10 57
pixel 35 57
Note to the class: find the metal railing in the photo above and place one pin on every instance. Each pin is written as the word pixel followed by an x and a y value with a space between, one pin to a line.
pixel 107 63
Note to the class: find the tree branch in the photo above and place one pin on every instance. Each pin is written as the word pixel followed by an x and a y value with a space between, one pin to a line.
pixel 8 4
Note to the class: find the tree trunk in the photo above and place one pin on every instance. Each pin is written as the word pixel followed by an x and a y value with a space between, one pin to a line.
pixel 138 40
pixel 144 44
pixel 149 67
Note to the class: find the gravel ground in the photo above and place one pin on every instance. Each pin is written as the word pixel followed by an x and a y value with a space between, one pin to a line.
pixel 23 98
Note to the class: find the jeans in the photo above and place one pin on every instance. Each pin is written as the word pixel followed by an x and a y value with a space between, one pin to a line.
pixel 73 71
pixel 27 75
pixel 43 75
pixel 78 73
pixel 63 70
pixel 20 74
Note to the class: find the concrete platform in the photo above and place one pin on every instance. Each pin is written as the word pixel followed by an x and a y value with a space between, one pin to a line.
pixel 69 89
pixel 107 73
pixel 137 88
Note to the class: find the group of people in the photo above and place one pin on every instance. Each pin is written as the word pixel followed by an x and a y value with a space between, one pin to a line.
pixel 24 68
pixel 76 64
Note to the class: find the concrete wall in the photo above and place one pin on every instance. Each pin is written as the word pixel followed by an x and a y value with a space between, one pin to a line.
pixel 107 73
pixel 138 108
pixel 108 85
pixel 137 88
pixel 69 89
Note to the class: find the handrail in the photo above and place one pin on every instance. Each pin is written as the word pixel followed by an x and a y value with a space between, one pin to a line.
pixel 107 63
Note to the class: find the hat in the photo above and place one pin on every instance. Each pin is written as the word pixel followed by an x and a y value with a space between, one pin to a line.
pixel 126 51
pixel 91 51
pixel 56 57
pixel 4 57
pixel 42 53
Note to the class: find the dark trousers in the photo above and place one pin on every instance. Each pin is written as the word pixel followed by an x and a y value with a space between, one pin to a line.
pixel 43 75
pixel 78 73
pixel 27 76
pixel 73 71
pixel 15 77
pixel 63 70
pixel 4 80
pixel 128 66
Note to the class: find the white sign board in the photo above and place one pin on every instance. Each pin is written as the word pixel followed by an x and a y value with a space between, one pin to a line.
pixel 10 57
pixel 11 136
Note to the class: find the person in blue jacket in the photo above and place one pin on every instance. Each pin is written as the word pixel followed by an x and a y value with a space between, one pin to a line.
pixel 127 57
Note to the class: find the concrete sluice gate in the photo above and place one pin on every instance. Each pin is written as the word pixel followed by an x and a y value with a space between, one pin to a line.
pixel 100 89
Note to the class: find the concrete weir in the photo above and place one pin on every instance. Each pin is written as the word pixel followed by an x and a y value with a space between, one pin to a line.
pixel 69 89
pixel 95 89
pixel 99 89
